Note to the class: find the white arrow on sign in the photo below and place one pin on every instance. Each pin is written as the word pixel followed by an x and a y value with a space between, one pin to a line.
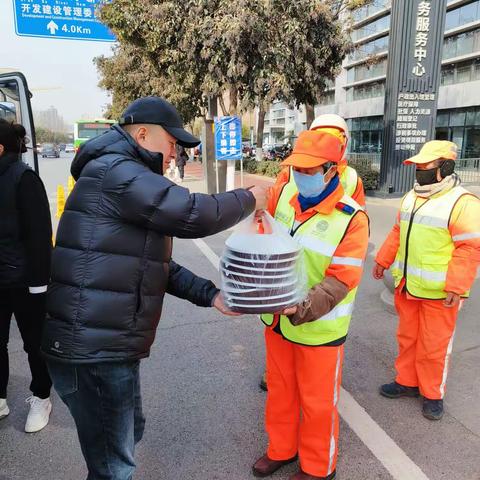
pixel 53 27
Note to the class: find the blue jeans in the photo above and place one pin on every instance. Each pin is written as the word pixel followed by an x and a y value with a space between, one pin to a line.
pixel 106 404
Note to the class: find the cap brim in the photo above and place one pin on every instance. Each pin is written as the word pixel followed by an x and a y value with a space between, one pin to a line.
pixel 420 159
pixel 184 138
pixel 303 160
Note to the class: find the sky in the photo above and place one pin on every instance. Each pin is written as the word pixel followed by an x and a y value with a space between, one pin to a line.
pixel 64 66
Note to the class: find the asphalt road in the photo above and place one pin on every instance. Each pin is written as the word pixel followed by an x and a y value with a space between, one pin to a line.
pixel 205 411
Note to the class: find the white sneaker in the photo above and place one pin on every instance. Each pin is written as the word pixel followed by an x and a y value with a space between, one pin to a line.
pixel 39 413
pixel 4 410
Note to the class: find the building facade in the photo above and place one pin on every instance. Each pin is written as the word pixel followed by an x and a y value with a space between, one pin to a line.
pixel 359 89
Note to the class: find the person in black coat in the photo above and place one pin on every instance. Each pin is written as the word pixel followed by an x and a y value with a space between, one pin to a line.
pixel 180 161
pixel 25 253
pixel 112 266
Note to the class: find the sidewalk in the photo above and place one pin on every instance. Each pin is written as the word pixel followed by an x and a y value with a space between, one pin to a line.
pixel 194 179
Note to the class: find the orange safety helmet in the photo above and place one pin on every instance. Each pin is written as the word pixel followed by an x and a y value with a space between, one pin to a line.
pixel 314 148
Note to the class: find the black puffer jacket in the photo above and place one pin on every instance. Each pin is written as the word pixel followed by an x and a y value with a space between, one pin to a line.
pixel 112 261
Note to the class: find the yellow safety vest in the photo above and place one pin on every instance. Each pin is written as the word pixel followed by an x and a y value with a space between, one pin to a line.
pixel 319 237
pixel 349 180
pixel 426 245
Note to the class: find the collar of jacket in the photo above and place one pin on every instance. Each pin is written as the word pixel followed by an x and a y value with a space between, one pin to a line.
pixel 8 159
pixel 325 206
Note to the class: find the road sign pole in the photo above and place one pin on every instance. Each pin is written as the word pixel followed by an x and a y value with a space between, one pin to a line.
pixel 230 175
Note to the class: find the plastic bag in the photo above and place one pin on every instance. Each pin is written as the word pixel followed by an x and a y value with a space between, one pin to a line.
pixel 262 267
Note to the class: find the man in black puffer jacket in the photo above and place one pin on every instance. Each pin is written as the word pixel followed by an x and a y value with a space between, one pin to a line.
pixel 111 268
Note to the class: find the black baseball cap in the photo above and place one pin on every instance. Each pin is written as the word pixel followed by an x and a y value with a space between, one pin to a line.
pixel 158 111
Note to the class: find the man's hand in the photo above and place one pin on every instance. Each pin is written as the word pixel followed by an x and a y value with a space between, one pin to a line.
pixel 219 304
pixel 260 194
pixel 378 271
pixel 452 300
pixel 289 311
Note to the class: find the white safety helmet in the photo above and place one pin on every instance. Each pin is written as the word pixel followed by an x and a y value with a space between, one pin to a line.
pixel 331 120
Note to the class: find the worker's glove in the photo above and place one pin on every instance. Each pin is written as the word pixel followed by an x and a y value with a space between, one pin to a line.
pixel 321 299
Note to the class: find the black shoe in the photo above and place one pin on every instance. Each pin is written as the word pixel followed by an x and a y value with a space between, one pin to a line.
pixel 263 382
pixel 264 466
pixel 432 409
pixel 395 390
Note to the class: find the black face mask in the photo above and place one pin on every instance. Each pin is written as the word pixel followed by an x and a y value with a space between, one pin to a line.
pixel 426 177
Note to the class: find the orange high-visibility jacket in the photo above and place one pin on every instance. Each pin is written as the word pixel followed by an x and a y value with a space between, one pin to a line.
pixel 462 268
pixel 355 241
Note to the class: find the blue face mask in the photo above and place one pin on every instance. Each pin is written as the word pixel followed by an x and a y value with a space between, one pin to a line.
pixel 309 185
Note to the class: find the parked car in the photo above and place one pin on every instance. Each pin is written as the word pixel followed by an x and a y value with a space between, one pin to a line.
pixel 69 148
pixel 50 150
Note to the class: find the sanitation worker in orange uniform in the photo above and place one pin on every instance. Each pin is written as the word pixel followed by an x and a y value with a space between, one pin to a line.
pixel 433 251
pixel 352 184
pixel 304 344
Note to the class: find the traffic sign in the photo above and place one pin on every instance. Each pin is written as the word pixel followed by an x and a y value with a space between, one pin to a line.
pixel 64 19
pixel 228 138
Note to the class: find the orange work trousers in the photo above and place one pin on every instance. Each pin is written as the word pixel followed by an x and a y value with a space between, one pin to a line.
pixel 301 413
pixel 425 336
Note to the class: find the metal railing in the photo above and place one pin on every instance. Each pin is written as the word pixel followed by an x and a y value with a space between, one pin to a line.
pixel 467 168
pixel 366 159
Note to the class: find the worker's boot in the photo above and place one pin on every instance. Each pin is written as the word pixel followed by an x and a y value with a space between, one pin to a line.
pixel 395 390
pixel 265 466
pixel 432 409
pixel 305 476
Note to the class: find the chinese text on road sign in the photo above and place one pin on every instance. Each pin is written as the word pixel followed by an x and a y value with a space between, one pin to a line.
pixel 228 138
pixel 65 19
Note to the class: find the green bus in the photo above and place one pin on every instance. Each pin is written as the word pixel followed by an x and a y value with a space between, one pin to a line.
pixel 84 130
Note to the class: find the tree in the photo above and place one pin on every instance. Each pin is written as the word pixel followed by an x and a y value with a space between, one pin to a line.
pixel 257 51
pixel 43 135
pixel 129 75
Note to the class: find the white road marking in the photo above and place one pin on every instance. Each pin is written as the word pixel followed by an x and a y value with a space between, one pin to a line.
pixel 391 456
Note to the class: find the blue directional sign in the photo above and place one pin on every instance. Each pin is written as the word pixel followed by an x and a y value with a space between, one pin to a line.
pixel 228 138
pixel 65 19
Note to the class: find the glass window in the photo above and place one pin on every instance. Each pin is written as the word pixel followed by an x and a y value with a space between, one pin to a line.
pixel 464 72
pixel 328 98
pixel 476 41
pixel 457 137
pixel 462 44
pixel 470 120
pixel 457 118
pixel 376 26
pixel 465 43
pixel 468 13
pixel 452 19
pixel 370 48
pixel 476 70
pixel 351 75
pixel 448 75
pixel 449 47
pixel 472 143
pixel 441 134
pixel 442 119
pixel 370 9
pixel 462 15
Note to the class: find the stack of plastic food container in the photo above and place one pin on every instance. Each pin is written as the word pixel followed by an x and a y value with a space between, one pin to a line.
pixel 262 269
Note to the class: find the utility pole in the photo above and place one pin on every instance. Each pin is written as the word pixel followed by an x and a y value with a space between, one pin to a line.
pixel 208 151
